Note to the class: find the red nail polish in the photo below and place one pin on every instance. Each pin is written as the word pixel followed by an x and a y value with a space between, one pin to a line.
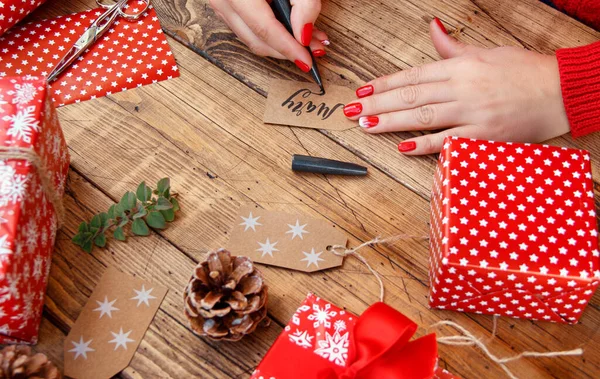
pixel 318 53
pixel 368 121
pixel 301 65
pixel 407 146
pixel 306 36
pixel 326 42
pixel 364 91
pixel 439 23
pixel 353 109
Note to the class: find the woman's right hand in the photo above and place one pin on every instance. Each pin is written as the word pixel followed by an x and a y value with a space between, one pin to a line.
pixel 255 24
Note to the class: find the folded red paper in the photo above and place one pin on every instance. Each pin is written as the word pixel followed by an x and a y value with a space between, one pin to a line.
pixel 129 55
pixel 326 342
pixel 513 230
pixel 33 170
pixel 13 11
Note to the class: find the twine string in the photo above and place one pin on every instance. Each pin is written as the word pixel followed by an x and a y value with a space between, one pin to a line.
pixel 464 338
pixel 32 157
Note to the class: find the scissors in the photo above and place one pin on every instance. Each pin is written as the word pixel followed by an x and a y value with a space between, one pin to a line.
pixel 100 26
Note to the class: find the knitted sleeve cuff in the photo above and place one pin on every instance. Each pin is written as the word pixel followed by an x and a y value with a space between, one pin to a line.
pixel 580 83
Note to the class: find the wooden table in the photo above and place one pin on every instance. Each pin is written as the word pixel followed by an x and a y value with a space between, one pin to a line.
pixel 204 130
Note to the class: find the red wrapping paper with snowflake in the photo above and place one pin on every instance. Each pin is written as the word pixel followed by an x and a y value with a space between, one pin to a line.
pixel 13 11
pixel 513 230
pixel 28 219
pixel 324 341
pixel 129 55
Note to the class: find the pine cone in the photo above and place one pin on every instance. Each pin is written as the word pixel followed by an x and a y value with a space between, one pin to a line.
pixel 16 362
pixel 226 297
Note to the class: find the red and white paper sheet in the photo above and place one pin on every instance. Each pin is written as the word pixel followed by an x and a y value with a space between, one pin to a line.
pixel 13 11
pixel 129 55
pixel 513 230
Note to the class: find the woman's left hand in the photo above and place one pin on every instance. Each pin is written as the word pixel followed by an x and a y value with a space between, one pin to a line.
pixel 501 94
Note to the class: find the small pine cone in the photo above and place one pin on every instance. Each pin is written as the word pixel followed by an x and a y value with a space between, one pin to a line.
pixel 226 297
pixel 17 362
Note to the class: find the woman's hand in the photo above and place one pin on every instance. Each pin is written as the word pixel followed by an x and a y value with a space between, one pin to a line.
pixel 255 24
pixel 501 94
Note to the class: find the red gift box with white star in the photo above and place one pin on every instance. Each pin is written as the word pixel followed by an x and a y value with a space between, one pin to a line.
pixel 324 341
pixel 513 230
pixel 13 11
pixel 33 169
pixel 130 55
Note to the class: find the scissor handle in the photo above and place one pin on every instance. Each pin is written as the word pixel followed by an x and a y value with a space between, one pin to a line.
pixel 121 4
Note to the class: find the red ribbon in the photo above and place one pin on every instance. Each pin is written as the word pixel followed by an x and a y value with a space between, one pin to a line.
pixel 379 348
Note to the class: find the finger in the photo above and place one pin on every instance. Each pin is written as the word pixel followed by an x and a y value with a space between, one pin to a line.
pixel 447 46
pixel 321 36
pixel 432 72
pixel 304 15
pixel 432 143
pixel 317 48
pixel 259 17
pixel 427 117
pixel 406 98
pixel 239 27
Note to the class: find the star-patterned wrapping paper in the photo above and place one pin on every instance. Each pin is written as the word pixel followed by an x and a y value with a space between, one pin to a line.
pixel 28 221
pixel 111 325
pixel 13 11
pixel 285 240
pixel 131 54
pixel 513 230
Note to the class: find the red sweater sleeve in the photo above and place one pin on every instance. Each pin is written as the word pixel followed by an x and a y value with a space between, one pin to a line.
pixel 587 11
pixel 580 84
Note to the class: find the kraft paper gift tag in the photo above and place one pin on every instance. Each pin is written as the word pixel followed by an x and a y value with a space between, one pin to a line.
pixel 286 240
pixel 301 104
pixel 111 326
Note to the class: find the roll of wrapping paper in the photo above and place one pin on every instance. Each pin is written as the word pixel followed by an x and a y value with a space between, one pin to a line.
pixel 14 11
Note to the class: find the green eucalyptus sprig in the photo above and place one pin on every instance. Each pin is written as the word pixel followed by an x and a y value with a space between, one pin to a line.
pixel 143 209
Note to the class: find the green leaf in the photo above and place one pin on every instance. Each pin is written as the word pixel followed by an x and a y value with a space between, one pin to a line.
pixel 175 204
pixel 123 222
pixel 100 240
pixel 169 215
pixel 163 185
pixel 141 212
pixel 144 193
pixel 87 247
pixel 111 212
pixel 119 234
pixel 78 239
pixel 104 219
pixel 128 201
pixel 83 227
pixel 156 220
pixel 119 211
pixel 139 227
pixel 163 204
pixel 96 221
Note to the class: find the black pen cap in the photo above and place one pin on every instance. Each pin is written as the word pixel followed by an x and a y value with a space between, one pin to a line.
pixel 326 166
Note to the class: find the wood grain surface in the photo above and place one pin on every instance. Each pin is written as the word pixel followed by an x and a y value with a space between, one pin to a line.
pixel 205 131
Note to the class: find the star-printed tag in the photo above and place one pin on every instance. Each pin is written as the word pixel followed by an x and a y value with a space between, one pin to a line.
pixel 111 326
pixel 131 54
pixel 286 240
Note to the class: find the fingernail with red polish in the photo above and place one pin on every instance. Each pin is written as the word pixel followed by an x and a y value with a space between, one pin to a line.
pixel 368 121
pixel 407 146
pixel 301 65
pixel 364 91
pixel 318 53
pixel 353 109
pixel 325 42
pixel 439 23
pixel 306 36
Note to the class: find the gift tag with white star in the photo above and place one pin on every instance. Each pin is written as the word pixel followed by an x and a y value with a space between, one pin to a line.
pixel 281 239
pixel 111 325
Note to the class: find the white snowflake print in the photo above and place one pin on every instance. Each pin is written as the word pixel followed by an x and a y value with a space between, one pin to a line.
pixel 2 102
pixel 335 347
pixel 23 124
pixel 302 339
pixel 321 316
pixel 5 245
pixel 24 93
pixel 31 233
pixel 37 268
pixel 12 185
pixel 295 317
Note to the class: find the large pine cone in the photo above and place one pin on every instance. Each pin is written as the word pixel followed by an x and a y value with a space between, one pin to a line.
pixel 18 363
pixel 226 297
